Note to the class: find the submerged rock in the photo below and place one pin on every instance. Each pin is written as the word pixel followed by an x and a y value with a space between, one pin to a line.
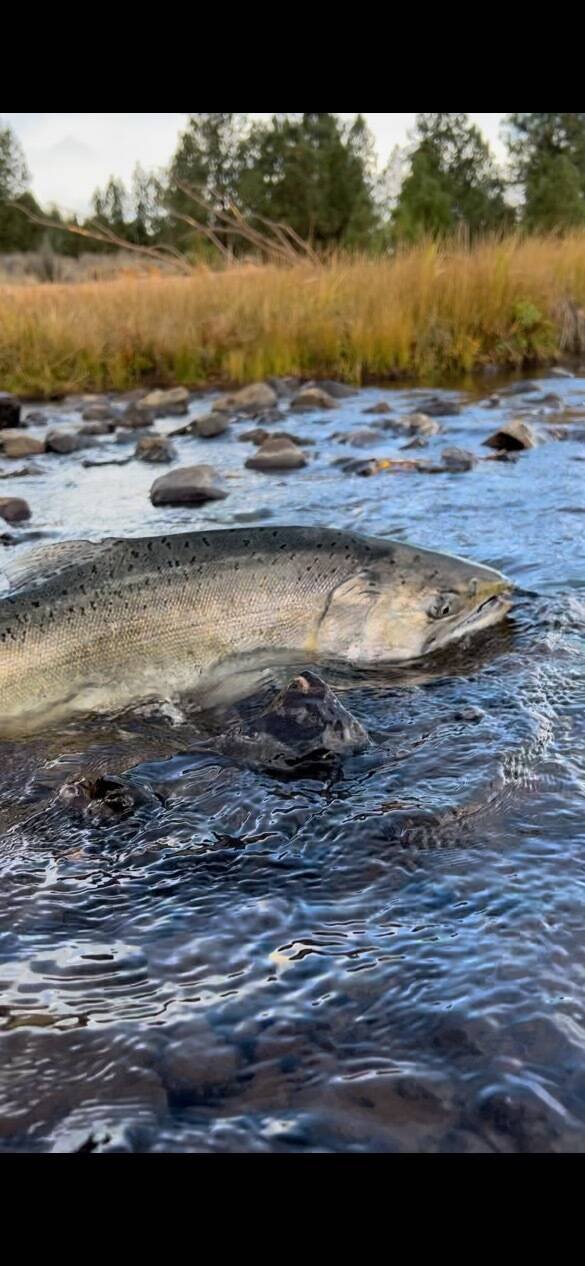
pixel 337 390
pixel 550 401
pixel 412 424
pixel 417 442
pixel 381 407
pixel 305 725
pixel 310 399
pixel 9 410
pixel 190 485
pixel 437 407
pixel 66 441
pixel 458 460
pixel 512 437
pixel 97 428
pixel 520 389
pixel 155 448
pixel 257 436
pixel 35 418
pixel 277 454
pixel 136 416
pixel 14 509
pixel 283 387
pixel 358 439
pixel 105 799
pixel 100 413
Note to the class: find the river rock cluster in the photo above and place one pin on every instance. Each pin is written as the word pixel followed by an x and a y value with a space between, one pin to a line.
pixel 140 425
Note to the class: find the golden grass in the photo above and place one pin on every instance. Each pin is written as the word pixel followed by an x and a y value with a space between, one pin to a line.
pixel 430 311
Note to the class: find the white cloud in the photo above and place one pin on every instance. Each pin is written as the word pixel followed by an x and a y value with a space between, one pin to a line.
pixel 69 155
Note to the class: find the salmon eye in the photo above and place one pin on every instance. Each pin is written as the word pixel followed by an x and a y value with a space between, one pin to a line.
pixel 442 606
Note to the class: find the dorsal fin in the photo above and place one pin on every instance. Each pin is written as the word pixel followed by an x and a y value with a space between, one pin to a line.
pixel 43 561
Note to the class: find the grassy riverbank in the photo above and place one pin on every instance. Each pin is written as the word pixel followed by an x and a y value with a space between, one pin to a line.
pixel 432 311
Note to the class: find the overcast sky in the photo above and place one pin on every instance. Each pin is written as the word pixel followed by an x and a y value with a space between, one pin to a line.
pixel 69 155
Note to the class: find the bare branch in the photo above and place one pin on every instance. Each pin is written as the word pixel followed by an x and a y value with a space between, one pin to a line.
pixel 100 233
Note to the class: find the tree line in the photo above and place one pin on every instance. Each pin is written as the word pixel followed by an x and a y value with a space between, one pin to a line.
pixel 317 174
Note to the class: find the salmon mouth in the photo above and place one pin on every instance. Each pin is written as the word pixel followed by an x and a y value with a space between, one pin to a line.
pixel 487 613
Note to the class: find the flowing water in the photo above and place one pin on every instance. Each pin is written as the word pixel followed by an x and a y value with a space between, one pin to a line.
pixel 389 960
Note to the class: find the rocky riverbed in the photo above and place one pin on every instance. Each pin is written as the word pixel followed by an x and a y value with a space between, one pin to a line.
pixel 341 917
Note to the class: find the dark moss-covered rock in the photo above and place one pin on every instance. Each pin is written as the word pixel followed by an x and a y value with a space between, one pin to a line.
pixel 10 409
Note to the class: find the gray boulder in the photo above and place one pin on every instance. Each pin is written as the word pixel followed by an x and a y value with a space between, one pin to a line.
pixel 189 485
pixel 277 454
pixel 154 448
pixel 512 437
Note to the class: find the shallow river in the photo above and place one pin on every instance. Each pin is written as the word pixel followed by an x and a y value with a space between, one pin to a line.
pixel 391 960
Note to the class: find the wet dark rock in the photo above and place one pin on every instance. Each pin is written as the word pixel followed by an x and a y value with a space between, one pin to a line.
pixel 97 428
pixel 105 799
pixel 209 426
pixel 428 467
pixel 137 416
pixel 522 1118
pixel 437 407
pixel 513 436
pixel 266 417
pixel 257 436
pixel 190 485
pixel 520 389
pixel 283 387
pixel 35 418
pixel 277 454
pixel 10 409
pixel 469 714
pixel 494 402
pixel 417 442
pixel 14 509
pixel 358 465
pixel 381 408
pixel 252 516
pixel 337 390
pixel 550 401
pixel 309 399
pixel 413 424
pixel 100 413
pixel 89 462
pixel 64 442
pixel 196 1065
pixel 358 439
pixel 458 460
pixel 306 725
pixel 128 436
pixel 154 448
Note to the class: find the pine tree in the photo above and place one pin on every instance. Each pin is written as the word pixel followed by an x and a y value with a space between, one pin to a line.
pixel 453 181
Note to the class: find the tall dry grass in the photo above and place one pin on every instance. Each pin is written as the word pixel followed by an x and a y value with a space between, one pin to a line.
pixel 429 311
